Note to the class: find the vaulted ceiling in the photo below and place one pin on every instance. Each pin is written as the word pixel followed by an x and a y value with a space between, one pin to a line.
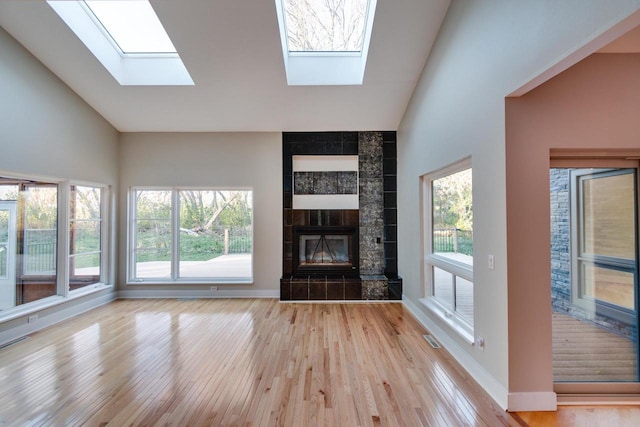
pixel 232 51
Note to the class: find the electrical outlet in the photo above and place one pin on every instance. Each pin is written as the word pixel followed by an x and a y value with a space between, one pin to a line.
pixel 32 318
pixel 214 289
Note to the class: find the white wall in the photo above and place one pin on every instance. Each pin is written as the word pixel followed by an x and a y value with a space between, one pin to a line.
pixel 251 160
pixel 484 52
pixel 47 131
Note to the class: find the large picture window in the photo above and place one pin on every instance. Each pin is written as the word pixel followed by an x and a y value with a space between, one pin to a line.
pixel 448 244
pixel 191 235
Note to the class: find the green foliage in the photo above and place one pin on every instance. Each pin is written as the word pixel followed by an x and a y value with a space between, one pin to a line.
pixel 452 201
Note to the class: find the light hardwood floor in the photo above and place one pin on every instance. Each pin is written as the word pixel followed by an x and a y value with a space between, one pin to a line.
pixel 244 362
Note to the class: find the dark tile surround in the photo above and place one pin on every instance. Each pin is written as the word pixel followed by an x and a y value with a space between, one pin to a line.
pixel 376 218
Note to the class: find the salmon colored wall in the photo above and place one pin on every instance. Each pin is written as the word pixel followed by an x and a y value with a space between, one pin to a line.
pixel 593 105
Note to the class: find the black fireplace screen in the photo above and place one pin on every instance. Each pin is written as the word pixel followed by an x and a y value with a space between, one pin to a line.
pixel 325 250
pixel 320 249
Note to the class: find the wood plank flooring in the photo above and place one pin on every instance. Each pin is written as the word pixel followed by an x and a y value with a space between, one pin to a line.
pixel 249 362
pixel 242 362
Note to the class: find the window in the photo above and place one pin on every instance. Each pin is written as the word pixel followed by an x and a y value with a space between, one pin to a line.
pixel 191 236
pixel 36 257
pixel 325 26
pixel 127 38
pixel 325 43
pixel 448 247
pixel 85 236
pixel 28 241
pixel 132 25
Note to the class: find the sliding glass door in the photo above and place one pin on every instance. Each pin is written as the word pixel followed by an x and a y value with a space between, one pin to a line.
pixel 594 261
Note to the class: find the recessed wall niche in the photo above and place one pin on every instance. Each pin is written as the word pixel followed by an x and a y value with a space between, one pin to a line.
pixel 372 156
pixel 325 182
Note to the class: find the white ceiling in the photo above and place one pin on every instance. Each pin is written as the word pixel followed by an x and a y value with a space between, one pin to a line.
pixel 233 53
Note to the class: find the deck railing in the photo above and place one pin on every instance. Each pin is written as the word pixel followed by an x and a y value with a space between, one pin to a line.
pixel 453 240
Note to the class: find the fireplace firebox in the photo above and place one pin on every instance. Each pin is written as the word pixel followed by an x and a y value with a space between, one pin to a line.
pixel 325 251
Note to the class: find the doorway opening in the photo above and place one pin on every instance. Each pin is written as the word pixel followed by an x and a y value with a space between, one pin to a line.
pixel 594 272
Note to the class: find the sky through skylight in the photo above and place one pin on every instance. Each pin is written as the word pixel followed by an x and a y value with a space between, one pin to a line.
pixel 325 25
pixel 133 25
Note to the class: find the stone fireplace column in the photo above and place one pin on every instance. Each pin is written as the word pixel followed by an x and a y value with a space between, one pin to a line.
pixel 371 200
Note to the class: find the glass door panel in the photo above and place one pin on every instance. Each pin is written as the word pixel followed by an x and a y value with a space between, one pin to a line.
pixel 594 279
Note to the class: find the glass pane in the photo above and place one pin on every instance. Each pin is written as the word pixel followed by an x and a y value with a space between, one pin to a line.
pixel 153 234
pixel 605 284
pixel 215 234
pixel 39 260
pixel 319 26
pixel 4 237
pixel 153 204
pixel 593 321
pixel 40 241
pixel 452 214
pixel 84 270
pixel 153 249
pixel 609 231
pixel 85 202
pixel 464 298
pixel 85 236
pixel 133 25
pixel 443 287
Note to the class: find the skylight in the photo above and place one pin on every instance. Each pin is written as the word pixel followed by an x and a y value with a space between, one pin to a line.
pixel 325 42
pixel 325 26
pixel 127 38
pixel 133 26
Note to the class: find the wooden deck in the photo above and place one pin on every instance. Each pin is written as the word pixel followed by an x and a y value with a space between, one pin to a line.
pixel 585 353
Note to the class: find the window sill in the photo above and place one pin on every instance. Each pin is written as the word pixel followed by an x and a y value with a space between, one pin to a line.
pixel 454 322
pixel 215 282
pixel 52 301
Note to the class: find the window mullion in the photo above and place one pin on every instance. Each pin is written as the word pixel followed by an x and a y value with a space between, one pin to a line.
pixel 64 193
pixel 175 234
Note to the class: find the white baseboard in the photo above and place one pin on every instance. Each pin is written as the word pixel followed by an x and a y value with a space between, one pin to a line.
pixel 496 390
pixel 45 319
pixel 533 401
pixel 193 293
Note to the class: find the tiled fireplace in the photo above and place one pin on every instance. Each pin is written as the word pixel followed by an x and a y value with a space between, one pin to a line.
pixel 343 251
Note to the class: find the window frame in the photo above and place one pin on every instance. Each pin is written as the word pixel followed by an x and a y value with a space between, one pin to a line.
pixel 132 239
pixel 458 322
pixel 104 275
pixel 580 258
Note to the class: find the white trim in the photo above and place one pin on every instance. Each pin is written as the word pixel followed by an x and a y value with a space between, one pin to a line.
pixel 49 302
pixel 532 401
pixel 47 320
pixel 324 163
pixel 326 201
pixel 487 381
pixel 454 320
pixel 198 293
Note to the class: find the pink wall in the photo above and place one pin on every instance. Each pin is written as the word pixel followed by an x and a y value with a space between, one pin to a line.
pixel 593 105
